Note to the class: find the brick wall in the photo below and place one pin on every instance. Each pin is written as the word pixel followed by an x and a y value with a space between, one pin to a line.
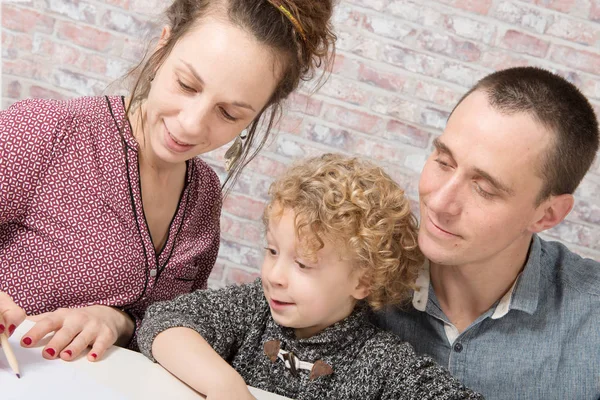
pixel 401 66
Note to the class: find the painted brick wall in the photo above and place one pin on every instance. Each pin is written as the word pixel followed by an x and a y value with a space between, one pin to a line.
pixel 401 66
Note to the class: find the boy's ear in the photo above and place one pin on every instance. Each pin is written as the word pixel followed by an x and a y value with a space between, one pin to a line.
pixel 363 287
pixel 552 211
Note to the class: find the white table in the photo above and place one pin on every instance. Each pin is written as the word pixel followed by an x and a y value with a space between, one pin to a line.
pixel 121 373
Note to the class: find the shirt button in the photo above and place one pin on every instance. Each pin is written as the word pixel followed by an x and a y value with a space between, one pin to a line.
pixel 458 347
pixel 153 273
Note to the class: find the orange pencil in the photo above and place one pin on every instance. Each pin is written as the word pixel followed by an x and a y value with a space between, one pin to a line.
pixel 10 356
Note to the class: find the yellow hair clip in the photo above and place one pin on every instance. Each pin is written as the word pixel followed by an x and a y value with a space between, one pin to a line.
pixel 277 4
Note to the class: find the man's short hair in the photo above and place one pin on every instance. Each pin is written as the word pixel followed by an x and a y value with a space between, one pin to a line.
pixel 560 107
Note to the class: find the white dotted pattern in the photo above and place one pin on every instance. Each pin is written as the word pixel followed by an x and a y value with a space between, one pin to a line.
pixel 72 228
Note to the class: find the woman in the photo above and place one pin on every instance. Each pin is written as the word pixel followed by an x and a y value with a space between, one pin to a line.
pixel 105 208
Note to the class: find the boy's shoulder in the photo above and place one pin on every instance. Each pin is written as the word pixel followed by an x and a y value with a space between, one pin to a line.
pixel 385 344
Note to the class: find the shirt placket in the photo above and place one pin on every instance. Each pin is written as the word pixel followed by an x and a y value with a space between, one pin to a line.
pixel 151 264
pixel 458 360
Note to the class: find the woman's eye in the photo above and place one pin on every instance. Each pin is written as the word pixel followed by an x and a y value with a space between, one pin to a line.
pixel 186 87
pixel 228 116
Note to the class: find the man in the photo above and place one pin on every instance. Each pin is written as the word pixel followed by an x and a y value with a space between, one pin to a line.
pixel 509 314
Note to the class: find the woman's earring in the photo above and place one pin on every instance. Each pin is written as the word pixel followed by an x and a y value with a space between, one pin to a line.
pixel 233 154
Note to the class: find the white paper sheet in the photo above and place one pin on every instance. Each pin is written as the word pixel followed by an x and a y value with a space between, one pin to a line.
pixel 47 379
pixel 120 374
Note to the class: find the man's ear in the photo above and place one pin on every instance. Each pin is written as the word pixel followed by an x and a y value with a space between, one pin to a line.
pixel 552 211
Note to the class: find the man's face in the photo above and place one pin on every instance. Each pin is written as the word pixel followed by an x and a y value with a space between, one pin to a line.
pixel 479 186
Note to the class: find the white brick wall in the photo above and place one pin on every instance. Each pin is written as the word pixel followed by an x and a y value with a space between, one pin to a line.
pixel 401 67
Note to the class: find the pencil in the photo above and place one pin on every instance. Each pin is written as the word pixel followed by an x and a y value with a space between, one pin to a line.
pixel 10 356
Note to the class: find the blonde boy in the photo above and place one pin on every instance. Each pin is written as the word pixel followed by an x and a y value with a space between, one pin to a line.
pixel 341 240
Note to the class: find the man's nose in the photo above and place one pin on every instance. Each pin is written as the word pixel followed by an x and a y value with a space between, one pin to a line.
pixel 446 198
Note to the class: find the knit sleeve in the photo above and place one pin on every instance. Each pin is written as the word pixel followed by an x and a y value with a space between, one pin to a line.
pixel 28 130
pixel 424 379
pixel 222 317
pixel 409 376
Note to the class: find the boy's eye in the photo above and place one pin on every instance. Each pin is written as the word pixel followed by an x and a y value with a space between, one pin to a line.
pixel 271 251
pixel 300 265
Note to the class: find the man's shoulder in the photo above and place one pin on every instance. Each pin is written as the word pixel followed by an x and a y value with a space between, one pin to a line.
pixel 564 267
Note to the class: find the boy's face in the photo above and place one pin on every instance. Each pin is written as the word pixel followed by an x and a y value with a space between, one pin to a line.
pixel 308 296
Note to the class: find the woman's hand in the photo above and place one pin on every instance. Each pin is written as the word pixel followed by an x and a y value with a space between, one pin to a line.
pixel 11 315
pixel 77 328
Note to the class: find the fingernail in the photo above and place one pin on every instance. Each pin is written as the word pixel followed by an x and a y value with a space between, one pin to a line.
pixel 27 340
pixel 2 328
pixel 94 355
pixel 11 329
pixel 69 352
pixel 50 351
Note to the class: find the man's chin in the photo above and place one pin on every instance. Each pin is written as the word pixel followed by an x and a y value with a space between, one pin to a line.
pixel 437 254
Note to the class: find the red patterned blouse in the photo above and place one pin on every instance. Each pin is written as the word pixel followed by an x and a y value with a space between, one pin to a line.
pixel 72 226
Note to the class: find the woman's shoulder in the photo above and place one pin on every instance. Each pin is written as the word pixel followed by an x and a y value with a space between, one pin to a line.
pixel 58 107
pixel 52 113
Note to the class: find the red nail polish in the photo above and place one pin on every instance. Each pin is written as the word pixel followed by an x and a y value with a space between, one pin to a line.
pixel 50 351
pixel 11 329
pixel 94 355
pixel 2 328
pixel 69 352
pixel 27 341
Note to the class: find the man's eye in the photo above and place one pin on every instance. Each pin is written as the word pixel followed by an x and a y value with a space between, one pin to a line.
pixel 483 193
pixel 442 163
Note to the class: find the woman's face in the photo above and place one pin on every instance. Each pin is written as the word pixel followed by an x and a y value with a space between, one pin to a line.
pixel 211 86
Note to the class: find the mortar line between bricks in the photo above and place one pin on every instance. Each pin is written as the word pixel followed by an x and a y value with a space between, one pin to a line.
pixel 552 40
pixel 371 136
pixel 369 88
pixel 331 124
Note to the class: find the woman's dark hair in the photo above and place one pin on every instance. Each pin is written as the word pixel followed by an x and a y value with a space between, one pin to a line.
pixel 299 54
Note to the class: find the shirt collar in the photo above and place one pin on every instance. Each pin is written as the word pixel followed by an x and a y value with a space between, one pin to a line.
pixel 523 295
pixel 421 294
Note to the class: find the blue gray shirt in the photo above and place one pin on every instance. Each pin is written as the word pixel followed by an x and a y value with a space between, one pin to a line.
pixel 540 341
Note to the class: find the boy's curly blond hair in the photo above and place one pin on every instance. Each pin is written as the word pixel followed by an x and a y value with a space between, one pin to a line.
pixel 356 206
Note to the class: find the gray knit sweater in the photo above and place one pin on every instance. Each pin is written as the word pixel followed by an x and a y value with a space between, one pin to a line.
pixel 367 363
